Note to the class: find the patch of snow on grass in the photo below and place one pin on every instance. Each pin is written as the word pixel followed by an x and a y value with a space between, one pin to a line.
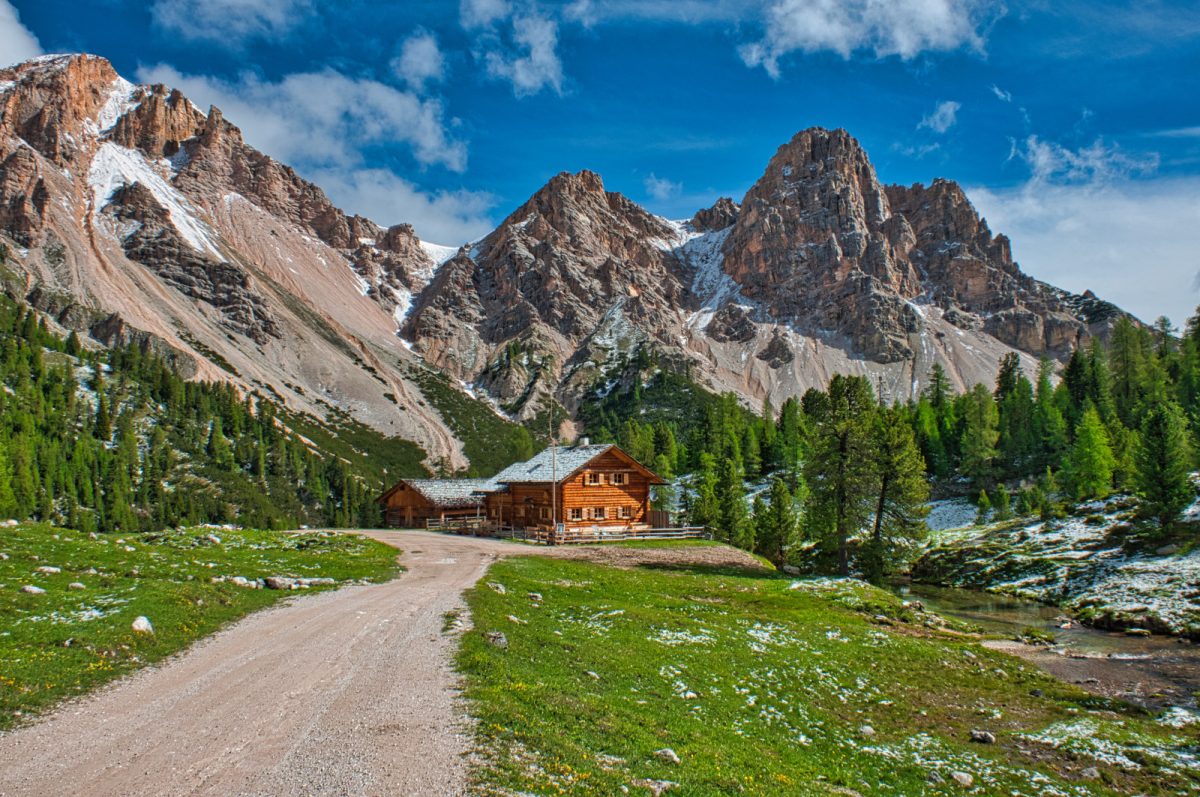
pixel 672 638
pixel 950 514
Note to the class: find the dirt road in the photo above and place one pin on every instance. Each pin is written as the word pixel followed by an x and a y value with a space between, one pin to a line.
pixel 342 693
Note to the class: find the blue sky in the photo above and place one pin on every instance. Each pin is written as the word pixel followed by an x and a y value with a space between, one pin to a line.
pixel 1074 125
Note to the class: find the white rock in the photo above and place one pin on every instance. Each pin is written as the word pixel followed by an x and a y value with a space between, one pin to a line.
pixel 517 620
pixel 141 625
pixel 213 538
pixel 867 731
pixel 963 779
pixel 498 587
pixel 76 585
pixel 656 787
pixel 668 755
pixel 49 569
pixel 12 523
pixel 3 557
pixel 32 590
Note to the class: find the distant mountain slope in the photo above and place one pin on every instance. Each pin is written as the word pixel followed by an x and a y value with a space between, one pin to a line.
pixel 132 215
pixel 821 269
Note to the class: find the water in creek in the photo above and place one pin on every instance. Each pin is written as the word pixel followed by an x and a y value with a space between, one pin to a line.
pixel 1002 614
pixel 1154 672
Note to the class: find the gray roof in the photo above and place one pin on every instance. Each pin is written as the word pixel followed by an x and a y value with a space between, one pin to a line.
pixel 541 468
pixel 452 493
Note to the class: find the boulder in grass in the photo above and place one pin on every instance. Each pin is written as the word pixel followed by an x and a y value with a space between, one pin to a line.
pixel 141 625
pixel 281 582
pixel 32 590
pixel 964 779
pixel 496 639
pixel 668 755
pixel 983 737
pixel 49 570
pixel 76 585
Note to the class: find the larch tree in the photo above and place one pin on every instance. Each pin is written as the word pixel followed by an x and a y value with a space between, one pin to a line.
pixel 980 434
pixel 1088 470
pixel 777 522
pixel 838 468
pixel 901 493
pixel 1163 465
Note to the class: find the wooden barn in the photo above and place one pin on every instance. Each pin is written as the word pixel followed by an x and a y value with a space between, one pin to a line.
pixel 584 486
pixel 413 503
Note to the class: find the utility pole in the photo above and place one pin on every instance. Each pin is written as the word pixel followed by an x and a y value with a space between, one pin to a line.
pixel 553 476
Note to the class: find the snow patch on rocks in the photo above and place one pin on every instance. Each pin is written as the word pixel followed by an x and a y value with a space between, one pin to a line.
pixel 115 166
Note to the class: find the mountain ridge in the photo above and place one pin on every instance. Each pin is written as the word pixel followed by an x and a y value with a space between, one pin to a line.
pixel 137 216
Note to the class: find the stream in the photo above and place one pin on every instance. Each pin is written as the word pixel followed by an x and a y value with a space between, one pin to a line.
pixel 1154 672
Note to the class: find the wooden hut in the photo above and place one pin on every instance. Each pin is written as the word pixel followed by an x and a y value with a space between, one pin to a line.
pixel 413 503
pixel 579 487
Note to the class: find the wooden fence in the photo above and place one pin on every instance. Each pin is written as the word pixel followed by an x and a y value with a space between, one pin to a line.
pixel 459 525
pixel 594 534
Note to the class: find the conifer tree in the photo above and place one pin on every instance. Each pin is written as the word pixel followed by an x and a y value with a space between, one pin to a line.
pixel 705 509
pixel 901 494
pixel 1003 504
pixel 1128 356
pixel 983 508
pixel 1163 462
pixel 776 522
pixel 1049 425
pixel 1088 470
pixel 735 523
pixel 980 435
pixel 8 501
pixel 838 469
pixel 664 494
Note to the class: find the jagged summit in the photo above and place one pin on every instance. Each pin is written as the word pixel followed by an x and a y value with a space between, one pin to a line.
pixel 135 215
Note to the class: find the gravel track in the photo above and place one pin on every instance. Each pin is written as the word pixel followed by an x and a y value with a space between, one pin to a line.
pixel 348 692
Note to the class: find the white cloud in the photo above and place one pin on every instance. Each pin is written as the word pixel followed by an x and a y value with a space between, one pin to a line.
pixel 661 188
pixel 17 42
pixel 903 28
pixel 1095 164
pixel 589 13
pixel 1001 94
pixel 1178 132
pixel 231 21
pixel 1131 242
pixel 446 217
pixel 1092 218
pixel 420 61
pixel 536 64
pixel 323 118
pixel 943 117
pixel 482 13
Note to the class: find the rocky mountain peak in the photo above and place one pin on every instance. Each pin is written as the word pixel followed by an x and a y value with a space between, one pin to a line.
pixel 722 214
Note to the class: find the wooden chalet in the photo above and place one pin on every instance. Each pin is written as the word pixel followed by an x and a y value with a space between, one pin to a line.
pixel 583 486
pixel 414 503
pixel 573 488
